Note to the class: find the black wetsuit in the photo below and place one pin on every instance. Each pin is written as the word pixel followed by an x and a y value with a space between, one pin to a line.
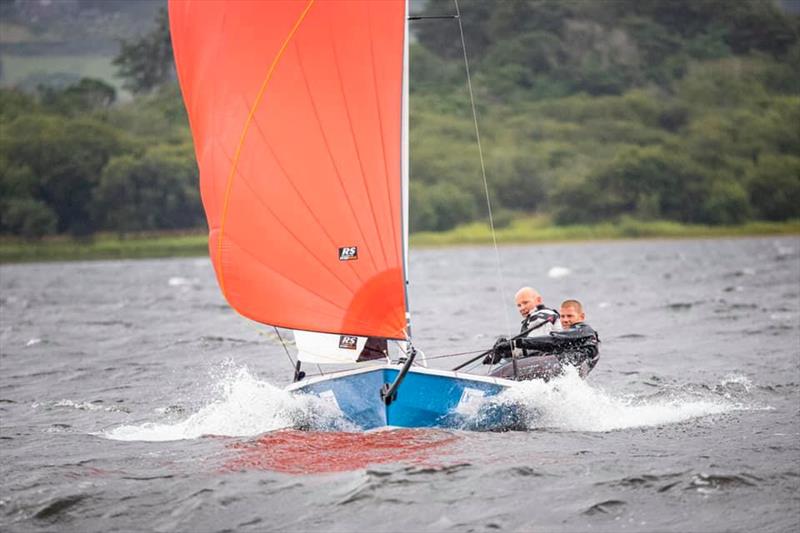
pixel 540 321
pixel 577 345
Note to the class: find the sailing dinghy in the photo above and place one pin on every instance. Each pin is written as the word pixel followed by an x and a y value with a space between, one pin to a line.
pixel 299 114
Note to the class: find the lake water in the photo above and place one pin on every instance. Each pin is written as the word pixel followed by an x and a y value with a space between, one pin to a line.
pixel 133 398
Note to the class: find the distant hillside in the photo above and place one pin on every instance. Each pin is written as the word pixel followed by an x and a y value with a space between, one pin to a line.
pixel 683 110
pixel 590 112
pixel 34 27
pixel 57 42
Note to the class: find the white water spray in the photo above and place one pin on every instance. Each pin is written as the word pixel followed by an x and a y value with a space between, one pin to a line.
pixel 245 406
pixel 569 403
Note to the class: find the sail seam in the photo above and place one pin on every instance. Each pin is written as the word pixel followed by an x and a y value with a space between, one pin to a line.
pixel 358 152
pixel 287 278
pixel 300 197
pixel 330 154
pixel 380 129
pixel 290 232
pixel 246 128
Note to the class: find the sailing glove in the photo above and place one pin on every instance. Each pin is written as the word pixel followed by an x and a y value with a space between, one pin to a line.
pixel 502 348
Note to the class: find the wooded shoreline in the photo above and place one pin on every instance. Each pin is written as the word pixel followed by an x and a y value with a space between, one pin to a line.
pixel 520 231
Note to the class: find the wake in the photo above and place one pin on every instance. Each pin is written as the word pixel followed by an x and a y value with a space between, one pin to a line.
pixel 569 403
pixel 245 406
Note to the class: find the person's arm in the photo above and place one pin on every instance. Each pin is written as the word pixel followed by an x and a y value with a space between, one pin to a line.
pixel 542 343
pixel 504 347
pixel 582 339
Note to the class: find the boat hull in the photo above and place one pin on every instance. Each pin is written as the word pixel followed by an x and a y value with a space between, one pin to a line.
pixel 425 398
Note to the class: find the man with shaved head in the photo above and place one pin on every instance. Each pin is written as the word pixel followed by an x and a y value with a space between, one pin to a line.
pixel 536 320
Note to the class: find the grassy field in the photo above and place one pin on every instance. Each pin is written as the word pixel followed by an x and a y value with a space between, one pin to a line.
pixel 532 229
pixel 539 229
pixel 104 247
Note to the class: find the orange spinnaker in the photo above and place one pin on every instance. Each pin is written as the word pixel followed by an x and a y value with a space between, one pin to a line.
pixel 295 110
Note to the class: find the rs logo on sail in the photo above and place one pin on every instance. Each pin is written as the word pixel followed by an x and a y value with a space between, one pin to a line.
pixel 348 253
pixel 347 342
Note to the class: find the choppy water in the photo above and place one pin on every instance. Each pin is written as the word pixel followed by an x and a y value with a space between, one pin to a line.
pixel 133 398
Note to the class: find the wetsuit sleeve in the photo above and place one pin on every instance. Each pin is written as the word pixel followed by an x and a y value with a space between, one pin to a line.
pixel 576 344
pixel 544 343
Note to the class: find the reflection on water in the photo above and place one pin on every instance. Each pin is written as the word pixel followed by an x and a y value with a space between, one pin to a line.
pixel 301 452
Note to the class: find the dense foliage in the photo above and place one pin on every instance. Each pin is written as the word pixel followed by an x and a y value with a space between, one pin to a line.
pixel 70 162
pixel 589 111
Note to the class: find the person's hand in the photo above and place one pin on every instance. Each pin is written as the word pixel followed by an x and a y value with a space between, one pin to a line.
pixel 501 348
pixel 492 359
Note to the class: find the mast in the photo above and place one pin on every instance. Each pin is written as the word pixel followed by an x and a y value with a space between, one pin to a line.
pixel 389 392
pixel 404 164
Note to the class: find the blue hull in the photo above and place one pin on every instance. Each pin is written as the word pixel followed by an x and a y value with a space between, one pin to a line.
pixel 425 398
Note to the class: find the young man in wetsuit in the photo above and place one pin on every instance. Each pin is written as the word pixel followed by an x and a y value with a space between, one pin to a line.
pixel 536 320
pixel 577 344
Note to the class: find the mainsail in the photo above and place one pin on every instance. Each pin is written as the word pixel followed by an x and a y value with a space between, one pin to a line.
pixel 296 113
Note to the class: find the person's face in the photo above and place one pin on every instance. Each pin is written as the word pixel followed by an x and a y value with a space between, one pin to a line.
pixel 570 316
pixel 527 301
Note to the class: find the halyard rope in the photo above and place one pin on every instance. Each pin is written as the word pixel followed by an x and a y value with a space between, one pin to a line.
pixel 483 168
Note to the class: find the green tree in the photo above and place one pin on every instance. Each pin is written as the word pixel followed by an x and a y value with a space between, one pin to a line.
pixel 431 73
pixel 518 180
pixel 442 36
pixel 26 217
pixel 774 187
pixel 85 96
pixel 727 203
pixel 14 103
pixel 20 212
pixel 146 63
pixel 16 181
pixel 649 182
pixel 439 207
pixel 67 157
pixel 156 191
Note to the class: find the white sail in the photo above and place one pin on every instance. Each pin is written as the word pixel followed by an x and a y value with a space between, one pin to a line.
pixel 326 348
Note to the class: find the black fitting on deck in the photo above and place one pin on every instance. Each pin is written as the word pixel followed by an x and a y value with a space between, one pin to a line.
pixel 389 392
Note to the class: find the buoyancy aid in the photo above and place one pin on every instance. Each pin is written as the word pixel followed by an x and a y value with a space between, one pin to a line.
pixel 540 321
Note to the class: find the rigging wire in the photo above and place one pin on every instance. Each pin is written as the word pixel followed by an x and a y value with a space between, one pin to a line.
pixel 483 170
pixel 283 343
pixel 456 354
pixel 278 333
